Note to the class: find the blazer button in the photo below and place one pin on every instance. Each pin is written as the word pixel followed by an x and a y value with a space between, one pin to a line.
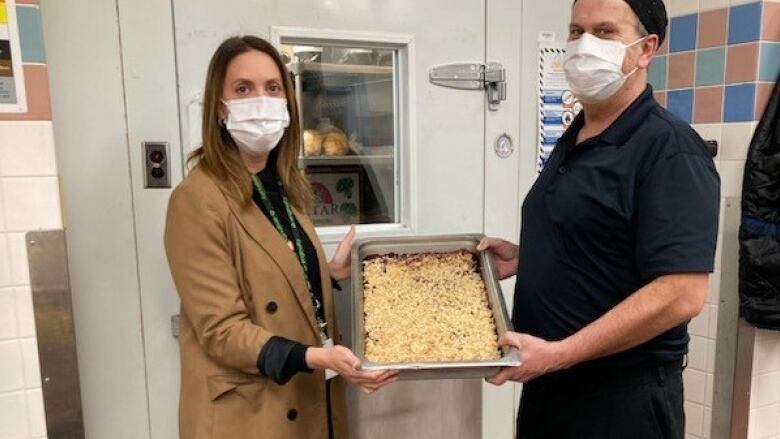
pixel 292 414
pixel 271 307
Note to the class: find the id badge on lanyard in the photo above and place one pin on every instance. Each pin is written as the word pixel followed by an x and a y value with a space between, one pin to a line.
pixel 329 373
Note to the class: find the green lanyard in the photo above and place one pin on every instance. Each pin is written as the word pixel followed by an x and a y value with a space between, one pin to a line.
pixel 296 247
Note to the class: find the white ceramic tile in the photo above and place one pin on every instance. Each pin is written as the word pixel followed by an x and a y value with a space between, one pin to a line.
pixel 11 369
pixel 32 203
pixel 766 353
pixel 32 367
pixel 695 385
pixel 697 353
pixel 731 172
pixel 766 336
pixel 765 390
pixel 20 268
pixel 708 5
pixel 713 331
pixel 699 325
pixel 711 350
pixel 5 261
pixel 763 422
pixel 736 140
pixel 710 131
pixel 27 149
pixel 694 418
pixel 683 7
pixel 713 293
pixel 24 312
pixel 709 385
pixel 8 325
pixel 13 416
pixel 35 410
pixel 707 422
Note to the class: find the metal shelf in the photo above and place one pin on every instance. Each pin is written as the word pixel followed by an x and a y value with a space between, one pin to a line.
pixel 359 69
pixel 341 160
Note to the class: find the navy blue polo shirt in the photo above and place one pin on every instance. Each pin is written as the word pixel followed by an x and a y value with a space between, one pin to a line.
pixel 609 215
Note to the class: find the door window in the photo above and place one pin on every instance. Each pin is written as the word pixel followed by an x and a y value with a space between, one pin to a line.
pixel 348 101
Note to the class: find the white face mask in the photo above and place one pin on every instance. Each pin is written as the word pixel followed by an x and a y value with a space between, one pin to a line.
pixel 258 123
pixel 594 67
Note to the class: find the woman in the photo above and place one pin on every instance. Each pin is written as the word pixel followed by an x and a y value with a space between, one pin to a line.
pixel 257 318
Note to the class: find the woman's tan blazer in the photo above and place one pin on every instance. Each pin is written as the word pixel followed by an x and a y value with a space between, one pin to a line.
pixel 239 285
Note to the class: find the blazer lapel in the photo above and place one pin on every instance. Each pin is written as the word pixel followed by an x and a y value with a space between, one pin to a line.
pixel 264 233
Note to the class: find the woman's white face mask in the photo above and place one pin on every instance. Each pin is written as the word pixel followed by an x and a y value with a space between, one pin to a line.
pixel 257 124
pixel 594 67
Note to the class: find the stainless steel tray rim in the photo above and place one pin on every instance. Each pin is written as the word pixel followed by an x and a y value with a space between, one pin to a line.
pixel 436 244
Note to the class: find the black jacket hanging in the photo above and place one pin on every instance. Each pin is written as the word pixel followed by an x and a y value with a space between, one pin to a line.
pixel 759 233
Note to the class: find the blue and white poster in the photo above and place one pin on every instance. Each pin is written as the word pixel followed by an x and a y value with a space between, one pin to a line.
pixel 557 106
pixel 12 96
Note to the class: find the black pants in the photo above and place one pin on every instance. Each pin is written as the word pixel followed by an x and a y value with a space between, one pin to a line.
pixel 639 403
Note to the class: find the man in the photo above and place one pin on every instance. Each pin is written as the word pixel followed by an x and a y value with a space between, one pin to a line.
pixel 617 243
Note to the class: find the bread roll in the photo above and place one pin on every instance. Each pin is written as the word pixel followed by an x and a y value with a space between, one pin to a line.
pixel 312 143
pixel 335 143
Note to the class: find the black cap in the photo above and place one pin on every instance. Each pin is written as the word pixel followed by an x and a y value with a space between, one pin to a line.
pixel 652 15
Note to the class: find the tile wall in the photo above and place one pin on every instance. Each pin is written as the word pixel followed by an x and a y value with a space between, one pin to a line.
pixel 29 200
pixel 717 71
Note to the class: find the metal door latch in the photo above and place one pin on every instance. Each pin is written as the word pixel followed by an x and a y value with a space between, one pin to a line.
pixel 473 76
pixel 175 325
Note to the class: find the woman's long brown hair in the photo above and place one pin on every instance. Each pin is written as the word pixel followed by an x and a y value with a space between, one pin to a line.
pixel 218 155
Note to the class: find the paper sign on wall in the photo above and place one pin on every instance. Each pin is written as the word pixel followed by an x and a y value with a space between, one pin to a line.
pixel 557 105
pixel 12 96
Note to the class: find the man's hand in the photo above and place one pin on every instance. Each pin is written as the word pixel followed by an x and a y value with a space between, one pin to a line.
pixel 538 356
pixel 504 253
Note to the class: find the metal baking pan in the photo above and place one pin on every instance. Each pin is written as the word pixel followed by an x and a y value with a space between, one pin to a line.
pixel 431 244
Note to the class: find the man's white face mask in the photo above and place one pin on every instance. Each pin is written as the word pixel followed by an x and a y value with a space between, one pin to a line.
pixel 594 67
pixel 258 123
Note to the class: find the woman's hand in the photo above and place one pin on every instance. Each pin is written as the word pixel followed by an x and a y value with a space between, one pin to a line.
pixel 345 363
pixel 504 253
pixel 339 265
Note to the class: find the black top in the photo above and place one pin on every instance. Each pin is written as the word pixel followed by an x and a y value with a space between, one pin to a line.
pixel 608 216
pixel 280 359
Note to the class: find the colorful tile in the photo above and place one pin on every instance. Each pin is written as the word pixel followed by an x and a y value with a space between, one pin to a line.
pixel 769 66
pixel 708 5
pixel 763 93
pixel 739 103
pixel 37 86
pixel 664 48
pixel 30 33
pixel 681 70
pixel 771 25
pixel 680 103
pixel 745 23
pixel 742 63
pixel 660 97
pixel 710 66
pixel 712 28
pixel 708 105
pixel 683 33
pixel 656 73
pixel 682 7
